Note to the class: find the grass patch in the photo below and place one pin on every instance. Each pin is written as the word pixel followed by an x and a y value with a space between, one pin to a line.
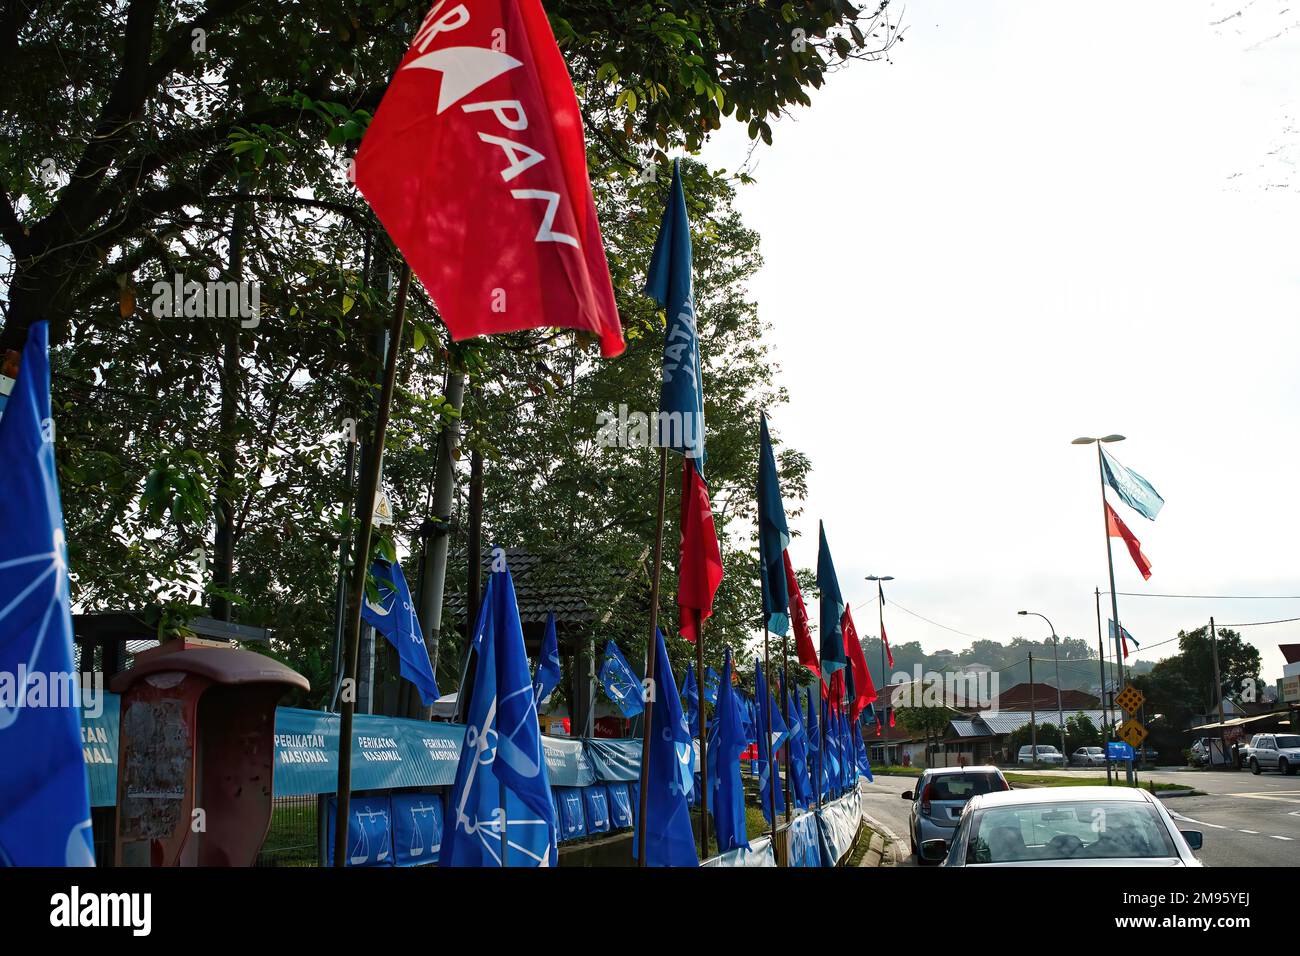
pixel 898 771
pixel 865 835
pixel 1042 780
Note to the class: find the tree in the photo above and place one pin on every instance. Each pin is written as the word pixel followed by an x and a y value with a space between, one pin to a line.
pixel 1182 685
pixel 1082 732
pixel 930 722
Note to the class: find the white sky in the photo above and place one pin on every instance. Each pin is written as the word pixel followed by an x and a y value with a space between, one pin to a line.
pixel 1045 220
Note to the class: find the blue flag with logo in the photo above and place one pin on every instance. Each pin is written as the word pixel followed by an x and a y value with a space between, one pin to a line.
pixel 44 793
pixel 773 536
pixel 831 758
pixel 800 782
pixel 711 686
pixel 394 617
pixel 816 768
pixel 768 717
pixel 691 691
pixel 832 609
pixel 621 685
pixel 1135 490
pixel 680 426
pixel 670 774
pixel 547 677
pixel 727 741
pixel 864 764
pixel 501 759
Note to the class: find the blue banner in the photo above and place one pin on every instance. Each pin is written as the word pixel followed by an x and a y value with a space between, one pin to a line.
pixel 1133 489
pixel 370 831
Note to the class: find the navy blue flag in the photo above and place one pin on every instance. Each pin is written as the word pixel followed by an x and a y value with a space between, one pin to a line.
pixel 44 793
pixel 394 617
pixel 769 777
pixel 670 774
pixel 773 536
pixel 691 691
pixel 547 677
pixel 680 426
pixel 711 686
pixel 727 741
pixel 800 783
pixel 860 748
pixel 501 759
pixel 751 731
pixel 832 610
pixel 1133 489
pixel 620 683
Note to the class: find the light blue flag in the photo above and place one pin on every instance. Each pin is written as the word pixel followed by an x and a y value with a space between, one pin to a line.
pixel 816 767
pixel 1126 636
pixel 864 763
pixel 1133 489
pixel 670 774
pixel 680 426
pixel 501 760
pixel 394 617
pixel 727 741
pixel 711 686
pixel 44 793
pixel 620 684
pixel 691 691
pixel 547 677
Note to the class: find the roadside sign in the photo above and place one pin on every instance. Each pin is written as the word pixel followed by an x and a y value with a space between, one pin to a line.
pixel 1133 732
pixel 1118 750
pixel 1131 699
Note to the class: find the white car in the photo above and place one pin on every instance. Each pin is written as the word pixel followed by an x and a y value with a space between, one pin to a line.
pixel 1067 826
pixel 1280 752
pixel 1045 754
pixel 1089 757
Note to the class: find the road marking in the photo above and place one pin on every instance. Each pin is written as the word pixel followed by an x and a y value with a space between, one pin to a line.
pixel 1262 796
pixel 1252 832
pixel 1271 836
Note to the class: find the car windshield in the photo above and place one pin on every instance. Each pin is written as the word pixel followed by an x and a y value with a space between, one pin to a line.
pixel 1046 750
pixel 963 786
pixel 1087 830
pixel 1288 741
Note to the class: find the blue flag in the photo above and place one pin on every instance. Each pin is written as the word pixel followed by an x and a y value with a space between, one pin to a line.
pixel 501 760
pixel 691 691
pixel 680 425
pixel 547 677
pixel 620 683
pixel 394 617
pixel 831 758
pixel 727 741
pixel 773 536
pixel 711 686
pixel 769 777
pixel 832 610
pixel 1133 489
pixel 815 765
pixel 44 794
pixel 864 764
pixel 800 783
pixel 670 774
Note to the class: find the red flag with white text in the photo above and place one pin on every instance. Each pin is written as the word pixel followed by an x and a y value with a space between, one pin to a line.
pixel 476 165
pixel 864 688
pixel 803 641
pixel 699 566
pixel 1118 529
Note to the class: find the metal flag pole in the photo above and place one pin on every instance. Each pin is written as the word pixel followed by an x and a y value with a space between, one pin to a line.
pixel 1101 662
pixel 650 657
pixel 1110 559
pixel 704 736
pixel 767 710
pixel 361 555
pixel 785 709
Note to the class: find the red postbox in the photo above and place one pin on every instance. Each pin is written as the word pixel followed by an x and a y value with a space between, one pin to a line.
pixel 196 753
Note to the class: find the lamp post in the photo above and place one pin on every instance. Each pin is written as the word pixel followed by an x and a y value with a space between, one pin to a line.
pixel 884 675
pixel 1056 659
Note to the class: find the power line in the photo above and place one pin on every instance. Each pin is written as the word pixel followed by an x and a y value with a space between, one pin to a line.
pixel 1285 620
pixel 1212 597
pixel 974 637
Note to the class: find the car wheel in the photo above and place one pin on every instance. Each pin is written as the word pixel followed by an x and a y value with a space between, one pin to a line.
pixel 1254 766
pixel 1284 766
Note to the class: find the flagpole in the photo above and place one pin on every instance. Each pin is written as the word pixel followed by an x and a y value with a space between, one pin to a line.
pixel 767 710
pixel 360 566
pixel 785 709
pixel 1101 661
pixel 651 654
pixel 1110 560
pixel 704 736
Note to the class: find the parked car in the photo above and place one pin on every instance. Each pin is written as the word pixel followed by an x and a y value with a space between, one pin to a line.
pixel 1280 752
pixel 1145 755
pixel 1067 826
pixel 1046 754
pixel 1089 757
pixel 939 797
pixel 1206 751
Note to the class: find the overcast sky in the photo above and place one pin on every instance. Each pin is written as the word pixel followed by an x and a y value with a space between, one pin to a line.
pixel 1040 221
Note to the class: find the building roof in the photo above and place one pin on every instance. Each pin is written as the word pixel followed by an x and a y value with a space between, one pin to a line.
pixel 1043 696
pixel 1004 722
pixel 544 583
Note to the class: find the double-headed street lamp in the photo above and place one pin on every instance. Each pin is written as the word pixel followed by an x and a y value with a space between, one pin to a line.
pixel 1060 712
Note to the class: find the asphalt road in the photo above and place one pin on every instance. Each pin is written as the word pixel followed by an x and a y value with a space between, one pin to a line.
pixel 1247 820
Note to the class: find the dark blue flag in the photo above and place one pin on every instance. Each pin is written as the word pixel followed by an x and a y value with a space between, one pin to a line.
pixel 691 691
pixel 773 536
pixel 727 741
pixel 864 764
pixel 620 683
pixel 800 783
pixel 547 677
pixel 680 426
pixel 816 769
pixel 670 774
pixel 501 760
pixel 394 617
pixel 768 716
pixel 832 610
pixel 44 794
pixel 711 686
pixel 831 757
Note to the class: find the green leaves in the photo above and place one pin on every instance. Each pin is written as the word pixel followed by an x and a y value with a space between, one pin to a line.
pixel 178 486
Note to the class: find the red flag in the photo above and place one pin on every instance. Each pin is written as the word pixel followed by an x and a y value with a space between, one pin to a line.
pixel 1118 529
pixel 864 688
pixel 803 641
pixel 880 728
pixel 885 637
pixel 891 716
pixel 699 566
pixel 475 163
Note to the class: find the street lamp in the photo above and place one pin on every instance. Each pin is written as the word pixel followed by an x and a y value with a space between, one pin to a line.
pixel 1060 712
pixel 884 676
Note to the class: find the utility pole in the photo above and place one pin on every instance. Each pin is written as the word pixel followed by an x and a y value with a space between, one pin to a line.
pixel 1218 689
pixel 1033 720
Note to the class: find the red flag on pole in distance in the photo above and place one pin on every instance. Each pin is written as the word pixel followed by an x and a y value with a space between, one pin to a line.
pixel 863 686
pixel 475 163
pixel 1118 529
pixel 699 566
pixel 803 641
pixel 885 637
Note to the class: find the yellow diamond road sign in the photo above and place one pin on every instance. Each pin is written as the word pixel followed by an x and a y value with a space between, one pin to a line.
pixel 1130 698
pixel 1132 733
